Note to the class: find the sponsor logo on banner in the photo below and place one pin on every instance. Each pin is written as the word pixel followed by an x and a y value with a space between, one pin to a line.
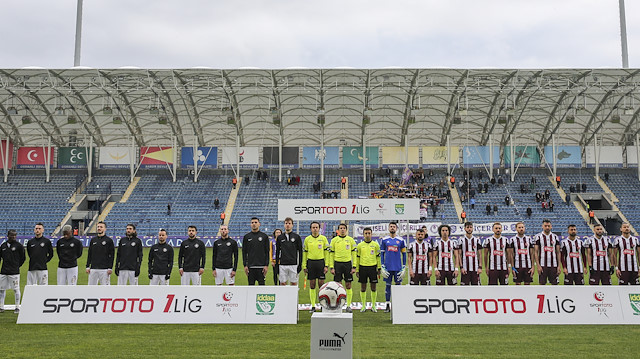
pixel 246 157
pixel 115 157
pixel 332 344
pixel 634 300
pixel 6 155
pixel 265 304
pixel 33 157
pixel 156 157
pixel 352 157
pixel 207 157
pixel 514 305
pixel 343 209
pixel 72 157
pixel 228 304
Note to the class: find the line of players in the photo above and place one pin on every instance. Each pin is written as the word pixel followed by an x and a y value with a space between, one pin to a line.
pixel 289 254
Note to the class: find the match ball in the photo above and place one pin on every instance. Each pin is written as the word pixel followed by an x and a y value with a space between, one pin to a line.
pixel 332 296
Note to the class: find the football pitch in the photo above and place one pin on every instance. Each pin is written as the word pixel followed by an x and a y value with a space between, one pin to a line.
pixel 374 336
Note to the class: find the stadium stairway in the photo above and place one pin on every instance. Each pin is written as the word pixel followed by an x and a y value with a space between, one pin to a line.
pixel 129 190
pixel 109 206
pixel 231 202
pixel 457 203
pixel 606 189
pixel 67 217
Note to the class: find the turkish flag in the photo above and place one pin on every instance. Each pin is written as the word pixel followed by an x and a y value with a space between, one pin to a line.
pixel 33 157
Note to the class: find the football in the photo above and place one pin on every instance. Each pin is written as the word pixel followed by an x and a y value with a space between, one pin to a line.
pixel 332 296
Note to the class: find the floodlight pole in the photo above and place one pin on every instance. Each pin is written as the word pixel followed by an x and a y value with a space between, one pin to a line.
pixel 76 57
pixel 5 160
pixel 322 153
pixel 623 35
pixel 47 160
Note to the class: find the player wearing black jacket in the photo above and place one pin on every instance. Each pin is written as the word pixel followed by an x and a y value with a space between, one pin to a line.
pixel 12 257
pixel 129 257
pixel 191 258
pixel 160 260
pixel 100 257
pixel 40 251
pixel 288 254
pixel 255 253
pixel 69 249
pixel 225 257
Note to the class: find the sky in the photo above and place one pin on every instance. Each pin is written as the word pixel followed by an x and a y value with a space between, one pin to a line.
pixel 277 34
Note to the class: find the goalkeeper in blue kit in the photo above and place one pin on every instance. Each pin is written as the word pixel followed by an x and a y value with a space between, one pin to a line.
pixel 393 255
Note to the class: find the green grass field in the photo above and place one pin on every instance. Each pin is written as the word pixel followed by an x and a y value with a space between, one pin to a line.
pixel 374 336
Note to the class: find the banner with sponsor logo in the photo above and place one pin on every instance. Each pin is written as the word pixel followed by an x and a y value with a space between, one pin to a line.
pixel 396 156
pixel 566 156
pixel 115 157
pixel 248 157
pixel 352 157
pixel 479 156
pixel 610 156
pixel 207 157
pixel 436 156
pixel 160 304
pixel 6 155
pixel 457 229
pixel 156 157
pixel 525 156
pixel 311 157
pixel 349 209
pixel 33 157
pixel 290 157
pixel 73 157
pixel 516 305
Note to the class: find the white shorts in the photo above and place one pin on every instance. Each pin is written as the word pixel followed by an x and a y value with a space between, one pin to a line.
pixel 127 276
pixel 99 276
pixel 224 274
pixel 289 272
pixel 37 277
pixel 68 276
pixel 158 279
pixel 190 277
pixel 9 281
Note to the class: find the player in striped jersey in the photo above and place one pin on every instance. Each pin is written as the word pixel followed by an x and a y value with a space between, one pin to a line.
pixel 520 253
pixel 627 254
pixel 471 253
pixel 315 260
pixel 393 255
pixel 446 256
pixel 368 268
pixel 419 266
pixel 547 253
pixel 572 258
pixel 599 257
pixel 495 257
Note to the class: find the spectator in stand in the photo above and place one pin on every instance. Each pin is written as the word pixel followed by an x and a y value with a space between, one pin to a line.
pixel 473 202
pixel 550 205
pixel 216 203
pixel 584 187
pixel 558 181
pixel 606 177
pixel 486 187
pixel 234 181
pixel 507 200
pixel 547 194
pixel 488 209
pixel 544 206
pixel 495 209
pixel 529 211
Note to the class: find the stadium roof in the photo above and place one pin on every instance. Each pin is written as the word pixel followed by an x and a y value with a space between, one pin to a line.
pixel 256 106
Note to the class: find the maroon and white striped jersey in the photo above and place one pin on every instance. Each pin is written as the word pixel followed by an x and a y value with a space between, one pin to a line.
pixel 469 251
pixel 420 256
pixel 547 249
pixel 497 252
pixel 445 250
pixel 572 255
pixel 521 251
pixel 627 259
pixel 599 252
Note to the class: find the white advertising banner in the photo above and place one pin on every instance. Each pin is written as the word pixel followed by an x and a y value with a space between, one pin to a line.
pixel 516 305
pixel 115 157
pixel 457 229
pixel 248 157
pixel 610 156
pixel 349 209
pixel 160 304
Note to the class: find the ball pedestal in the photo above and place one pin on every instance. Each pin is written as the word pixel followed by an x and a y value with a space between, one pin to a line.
pixel 331 335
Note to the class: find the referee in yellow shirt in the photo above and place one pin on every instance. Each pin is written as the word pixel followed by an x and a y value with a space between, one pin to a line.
pixel 315 257
pixel 368 268
pixel 342 260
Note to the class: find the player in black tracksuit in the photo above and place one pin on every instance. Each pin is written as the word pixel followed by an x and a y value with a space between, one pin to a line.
pixel 289 254
pixel 129 257
pixel 69 249
pixel 225 258
pixel 255 253
pixel 160 260
pixel 191 258
pixel 12 257
pixel 100 257
pixel 40 251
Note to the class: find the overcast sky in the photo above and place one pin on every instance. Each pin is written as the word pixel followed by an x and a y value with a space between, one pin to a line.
pixel 320 34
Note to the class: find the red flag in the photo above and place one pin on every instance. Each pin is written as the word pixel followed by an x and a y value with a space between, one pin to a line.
pixel 33 157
